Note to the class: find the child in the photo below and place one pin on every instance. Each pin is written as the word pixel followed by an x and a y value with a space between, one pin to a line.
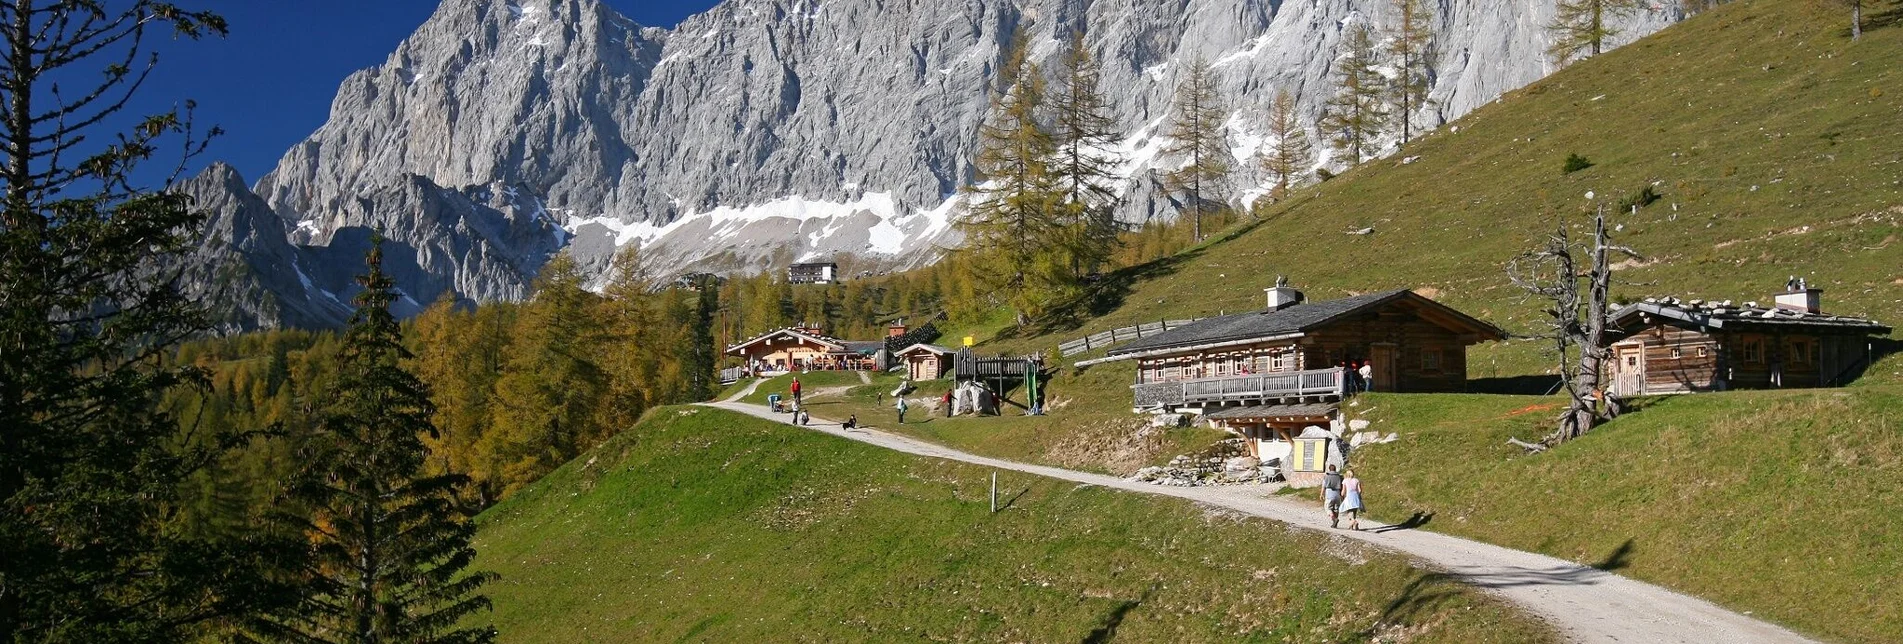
pixel 1351 499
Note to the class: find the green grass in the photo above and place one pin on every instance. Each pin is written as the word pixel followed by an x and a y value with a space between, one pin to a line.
pixel 703 525
pixel 1754 120
pixel 1771 139
pixel 810 383
pixel 1088 425
pixel 1780 503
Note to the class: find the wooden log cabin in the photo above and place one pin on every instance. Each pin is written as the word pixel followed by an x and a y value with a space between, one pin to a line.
pixel 805 348
pixel 925 361
pixel 1268 374
pixel 1668 345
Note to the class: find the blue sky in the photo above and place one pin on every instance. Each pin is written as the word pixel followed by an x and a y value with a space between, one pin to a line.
pixel 269 84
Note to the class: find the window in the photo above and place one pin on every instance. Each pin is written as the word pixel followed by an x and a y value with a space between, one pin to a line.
pixel 1704 352
pixel 1676 354
pixel 1631 360
pixel 1800 351
pixel 1752 351
pixel 1430 360
pixel 1279 361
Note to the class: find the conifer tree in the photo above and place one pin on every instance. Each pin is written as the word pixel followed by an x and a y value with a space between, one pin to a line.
pixel 1196 138
pixel 1289 154
pixel 1410 43
pixel 389 545
pixel 551 384
pixel 1011 225
pixel 1086 163
pixel 631 361
pixel 1580 27
pixel 702 360
pixel 92 470
pixel 460 355
pixel 1356 115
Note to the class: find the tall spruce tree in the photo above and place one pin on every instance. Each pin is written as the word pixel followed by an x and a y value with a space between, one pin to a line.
pixel 631 362
pixel 1410 44
pixel 390 546
pixel 1085 137
pixel 1011 225
pixel 1580 28
pixel 90 468
pixel 1357 113
pixel 1196 138
pixel 703 359
pixel 551 384
pixel 1289 154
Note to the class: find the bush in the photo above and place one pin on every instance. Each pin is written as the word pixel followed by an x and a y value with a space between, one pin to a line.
pixel 1575 163
pixel 1644 197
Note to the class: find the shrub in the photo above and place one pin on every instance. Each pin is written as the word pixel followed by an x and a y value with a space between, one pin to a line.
pixel 1644 197
pixel 1575 163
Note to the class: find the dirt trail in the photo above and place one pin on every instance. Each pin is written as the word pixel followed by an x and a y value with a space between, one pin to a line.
pixel 1586 604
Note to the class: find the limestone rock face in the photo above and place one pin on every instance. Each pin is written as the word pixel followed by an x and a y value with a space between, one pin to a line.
pixel 765 131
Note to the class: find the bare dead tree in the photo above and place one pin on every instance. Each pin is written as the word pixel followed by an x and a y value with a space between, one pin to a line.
pixel 1576 325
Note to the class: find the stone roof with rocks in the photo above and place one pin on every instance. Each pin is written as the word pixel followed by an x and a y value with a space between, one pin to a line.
pixel 1729 316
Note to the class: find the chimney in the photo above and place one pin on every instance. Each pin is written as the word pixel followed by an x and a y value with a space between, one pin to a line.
pixel 1281 296
pixel 897 329
pixel 1803 298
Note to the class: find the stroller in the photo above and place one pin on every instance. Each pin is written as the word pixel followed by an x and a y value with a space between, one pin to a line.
pixel 773 401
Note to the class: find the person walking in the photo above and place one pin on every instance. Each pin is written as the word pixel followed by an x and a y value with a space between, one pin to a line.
pixel 1331 496
pixel 1366 372
pixel 1351 499
pixel 901 408
pixel 796 393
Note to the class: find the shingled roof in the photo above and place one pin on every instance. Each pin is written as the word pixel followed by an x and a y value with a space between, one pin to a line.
pixel 1295 319
pixel 1748 316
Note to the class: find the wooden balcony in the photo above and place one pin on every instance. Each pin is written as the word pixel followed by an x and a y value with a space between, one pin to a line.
pixel 1318 384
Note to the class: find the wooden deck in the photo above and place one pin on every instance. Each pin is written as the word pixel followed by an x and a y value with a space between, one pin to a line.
pixel 1288 386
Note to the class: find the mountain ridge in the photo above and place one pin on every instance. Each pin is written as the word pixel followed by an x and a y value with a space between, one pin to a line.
pixel 765 131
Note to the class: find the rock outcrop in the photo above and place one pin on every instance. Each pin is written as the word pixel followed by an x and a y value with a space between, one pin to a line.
pixel 764 131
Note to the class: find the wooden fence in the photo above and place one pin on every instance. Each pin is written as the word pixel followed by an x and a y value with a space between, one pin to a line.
pixel 731 375
pixel 1118 336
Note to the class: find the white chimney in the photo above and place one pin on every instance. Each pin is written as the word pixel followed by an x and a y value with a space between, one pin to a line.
pixel 1281 297
pixel 1804 299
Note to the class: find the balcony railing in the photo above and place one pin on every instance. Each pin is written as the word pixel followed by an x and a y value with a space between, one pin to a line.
pixel 1320 383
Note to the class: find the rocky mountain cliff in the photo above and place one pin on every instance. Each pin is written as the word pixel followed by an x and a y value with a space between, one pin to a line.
pixel 767 131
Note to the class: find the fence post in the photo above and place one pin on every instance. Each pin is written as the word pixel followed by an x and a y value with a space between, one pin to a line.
pixel 994 492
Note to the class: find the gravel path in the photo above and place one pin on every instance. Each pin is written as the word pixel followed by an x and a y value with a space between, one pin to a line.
pixel 1586 604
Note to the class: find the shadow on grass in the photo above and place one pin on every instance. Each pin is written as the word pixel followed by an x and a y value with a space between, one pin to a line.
pixel 1419 519
pixel 1107 630
pixel 1881 19
pixel 1515 385
pixel 1013 500
pixel 1426 593
pixel 1621 557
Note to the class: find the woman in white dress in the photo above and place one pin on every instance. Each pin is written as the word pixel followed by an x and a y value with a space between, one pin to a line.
pixel 1351 499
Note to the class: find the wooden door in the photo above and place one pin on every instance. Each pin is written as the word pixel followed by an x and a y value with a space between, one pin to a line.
pixel 1382 358
pixel 1629 370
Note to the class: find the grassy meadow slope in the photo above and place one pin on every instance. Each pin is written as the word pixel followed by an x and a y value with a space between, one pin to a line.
pixel 701 525
pixel 1771 139
pixel 1772 142
pixel 1782 503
